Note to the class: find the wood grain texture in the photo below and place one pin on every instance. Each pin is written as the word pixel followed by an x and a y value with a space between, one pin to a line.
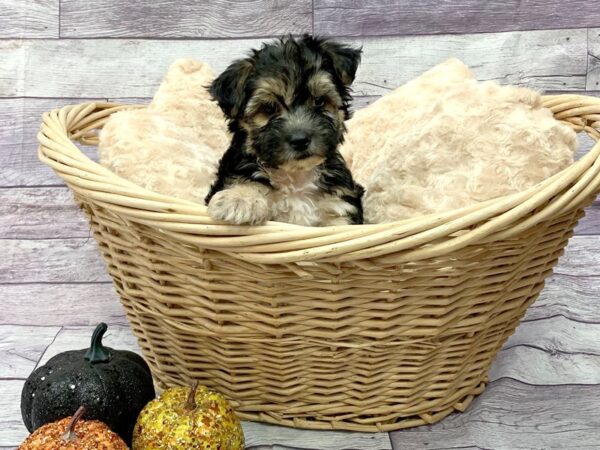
pixel 550 348
pixel 21 347
pixel 508 58
pixel 12 430
pixel 585 143
pixel 590 223
pixel 581 257
pixel 108 67
pixel 29 19
pixel 533 365
pixel 282 437
pixel 95 67
pixel 51 260
pixel 20 120
pixel 184 18
pixel 593 77
pixel 558 335
pixel 402 17
pixel 61 304
pixel 12 53
pixel 359 102
pixel 514 415
pixel 40 213
pixel 569 296
pixel 254 447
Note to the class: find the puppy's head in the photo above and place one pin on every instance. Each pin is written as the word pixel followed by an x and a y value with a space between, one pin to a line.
pixel 291 97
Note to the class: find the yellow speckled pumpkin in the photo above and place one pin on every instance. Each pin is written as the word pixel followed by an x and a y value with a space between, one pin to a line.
pixel 72 433
pixel 191 419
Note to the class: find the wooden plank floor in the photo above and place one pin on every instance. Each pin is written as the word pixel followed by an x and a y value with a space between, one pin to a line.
pixel 545 384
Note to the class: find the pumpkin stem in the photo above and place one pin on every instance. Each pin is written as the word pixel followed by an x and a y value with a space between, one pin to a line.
pixel 97 352
pixel 70 435
pixel 191 400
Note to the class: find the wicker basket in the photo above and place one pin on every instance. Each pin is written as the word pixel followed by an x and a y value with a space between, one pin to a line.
pixel 369 327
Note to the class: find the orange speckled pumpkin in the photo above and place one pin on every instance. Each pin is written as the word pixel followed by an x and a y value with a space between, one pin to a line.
pixel 191 419
pixel 72 433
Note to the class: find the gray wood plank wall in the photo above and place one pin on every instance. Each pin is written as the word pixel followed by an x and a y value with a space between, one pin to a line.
pixel 545 384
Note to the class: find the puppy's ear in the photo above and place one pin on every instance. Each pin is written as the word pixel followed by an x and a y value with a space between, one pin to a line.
pixel 345 60
pixel 228 89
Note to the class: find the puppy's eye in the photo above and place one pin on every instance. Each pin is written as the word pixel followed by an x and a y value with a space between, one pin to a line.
pixel 320 102
pixel 268 109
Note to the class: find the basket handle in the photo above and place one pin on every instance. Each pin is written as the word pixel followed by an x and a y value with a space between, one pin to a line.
pixel 580 112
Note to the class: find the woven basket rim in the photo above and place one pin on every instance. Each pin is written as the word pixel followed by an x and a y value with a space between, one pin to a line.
pixel 405 240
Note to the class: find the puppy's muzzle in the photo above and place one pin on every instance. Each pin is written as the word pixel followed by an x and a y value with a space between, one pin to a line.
pixel 299 140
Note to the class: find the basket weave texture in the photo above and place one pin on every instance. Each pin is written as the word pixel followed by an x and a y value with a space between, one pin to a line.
pixel 368 327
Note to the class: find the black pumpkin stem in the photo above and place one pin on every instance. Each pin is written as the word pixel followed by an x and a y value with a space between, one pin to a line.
pixel 190 405
pixel 69 435
pixel 97 352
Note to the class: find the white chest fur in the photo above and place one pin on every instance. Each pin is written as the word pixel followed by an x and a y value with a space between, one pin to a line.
pixel 297 199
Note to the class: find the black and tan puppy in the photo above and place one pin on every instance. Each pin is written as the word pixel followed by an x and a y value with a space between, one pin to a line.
pixel 286 105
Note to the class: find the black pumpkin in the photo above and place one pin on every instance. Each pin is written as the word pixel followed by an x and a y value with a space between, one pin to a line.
pixel 113 385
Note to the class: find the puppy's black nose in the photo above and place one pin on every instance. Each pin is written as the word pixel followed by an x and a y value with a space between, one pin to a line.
pixel 299 140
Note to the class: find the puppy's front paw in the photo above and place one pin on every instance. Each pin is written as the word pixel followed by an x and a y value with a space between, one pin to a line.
pixel 241 205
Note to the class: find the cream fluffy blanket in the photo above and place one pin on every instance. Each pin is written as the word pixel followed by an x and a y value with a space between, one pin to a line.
pixel 444 141
pixel 441 141
pixel 173 146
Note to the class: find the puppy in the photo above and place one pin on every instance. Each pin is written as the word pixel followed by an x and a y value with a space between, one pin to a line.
pixel 286 105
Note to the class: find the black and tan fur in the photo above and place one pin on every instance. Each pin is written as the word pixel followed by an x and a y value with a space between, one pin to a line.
pixel 286 105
